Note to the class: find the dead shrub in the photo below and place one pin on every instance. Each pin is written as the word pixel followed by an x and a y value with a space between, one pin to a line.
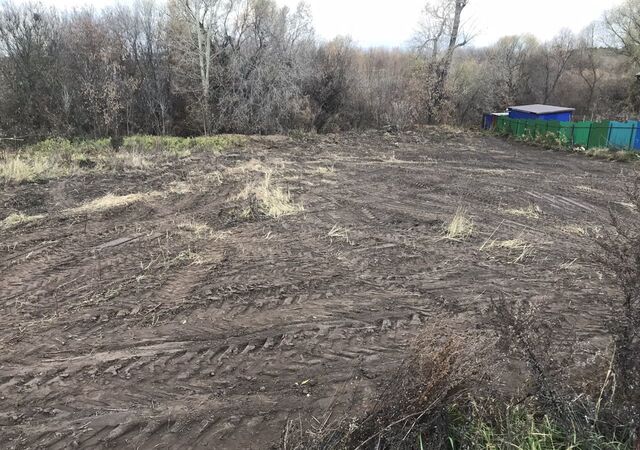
pixel 443 365
pixel 619 253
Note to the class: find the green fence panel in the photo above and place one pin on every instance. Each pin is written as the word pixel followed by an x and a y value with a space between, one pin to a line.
pixel 621 135
pixel 520 127
pixel 530 128
pixel 566 131
pixel 553 126
pixel 500 124
pixel 512 124
pixel 541 127
pixel 599 135
pixel 581 133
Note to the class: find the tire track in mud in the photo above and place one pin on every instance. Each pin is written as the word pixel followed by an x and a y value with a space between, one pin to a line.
pixel 241 361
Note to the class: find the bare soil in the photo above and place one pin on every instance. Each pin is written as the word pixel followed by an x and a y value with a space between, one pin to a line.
pixel 129 328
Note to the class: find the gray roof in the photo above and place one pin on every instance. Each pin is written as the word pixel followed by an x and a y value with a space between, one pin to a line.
pixel 541 109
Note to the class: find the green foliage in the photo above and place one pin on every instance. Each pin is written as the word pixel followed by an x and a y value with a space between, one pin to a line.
pixel 524 427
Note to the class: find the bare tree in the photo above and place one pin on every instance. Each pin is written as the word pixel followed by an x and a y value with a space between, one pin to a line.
pixel 197 34
pixel 508 60
pixel 330 82
pixel 555 57
pixel 29 47
pixel 437 39
pixel 622 25
pixel 588 63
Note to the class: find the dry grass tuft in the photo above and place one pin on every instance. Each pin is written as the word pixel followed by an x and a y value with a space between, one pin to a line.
pixel 127 160
pixel 253 165
pixel 627 205
pixel 530 212
pixel 110 201
pixel 338 232
pixel 191 257
pixel 273 200
pixel 522 247
pixel 578 230
pixel 179 187
pixel 197 228
pixel 323 171
pixel 16 219
pixel 460 227
pixel 585 188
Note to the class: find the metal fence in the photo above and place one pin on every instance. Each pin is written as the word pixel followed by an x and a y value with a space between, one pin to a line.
pixel 607 134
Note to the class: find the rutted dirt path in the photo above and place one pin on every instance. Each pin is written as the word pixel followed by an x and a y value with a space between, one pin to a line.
pixel 134 328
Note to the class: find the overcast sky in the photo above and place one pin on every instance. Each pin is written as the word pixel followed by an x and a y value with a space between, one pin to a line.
pixel 392 22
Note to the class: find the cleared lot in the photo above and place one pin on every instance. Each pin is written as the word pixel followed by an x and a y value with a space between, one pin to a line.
pixel 208 298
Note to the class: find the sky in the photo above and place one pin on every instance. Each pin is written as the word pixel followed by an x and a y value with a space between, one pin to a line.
pixel 391 23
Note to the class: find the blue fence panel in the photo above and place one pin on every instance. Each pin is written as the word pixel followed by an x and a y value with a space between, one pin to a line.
pixel 622 135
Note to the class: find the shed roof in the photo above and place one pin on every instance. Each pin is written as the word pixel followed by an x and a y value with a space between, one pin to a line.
pixel 541 109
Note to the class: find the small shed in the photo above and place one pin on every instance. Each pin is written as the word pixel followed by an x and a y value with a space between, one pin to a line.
pixel 541 112
pixel 489 120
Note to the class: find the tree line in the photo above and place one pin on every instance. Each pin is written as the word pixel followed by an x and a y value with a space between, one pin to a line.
pixel 190 67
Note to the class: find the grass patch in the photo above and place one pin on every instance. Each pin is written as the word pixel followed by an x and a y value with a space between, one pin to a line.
pixel 13 220
pixel 530 212
pixel 608 154
pixel 54 158
pixel 25 168
pixel 524 427
pixel 273 200
pixel 460 227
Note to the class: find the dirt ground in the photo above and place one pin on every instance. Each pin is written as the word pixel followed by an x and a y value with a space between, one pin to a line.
pixel 188 318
